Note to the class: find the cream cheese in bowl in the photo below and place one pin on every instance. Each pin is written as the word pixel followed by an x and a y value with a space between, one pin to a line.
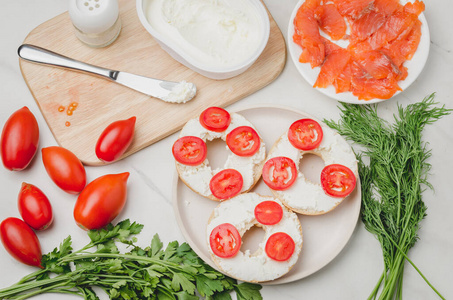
pixel 216 38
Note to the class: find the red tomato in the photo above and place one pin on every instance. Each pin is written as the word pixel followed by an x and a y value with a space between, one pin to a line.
pixel 64 168
pixel 215 119
pixel 115 139
pixel 34 207
pixel 280 246
pixel 305 134
pixel 19 141
pixel 268 212
pixel 101 201
pixel 226 184
pixel 190 150
pixel 225 240
pixel 21 242
pixel 279 173
pixel 337 180
pixel 243 141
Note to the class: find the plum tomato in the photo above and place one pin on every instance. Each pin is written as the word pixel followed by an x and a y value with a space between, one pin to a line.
pixel 226 184
pixel 64 168
pixel 243 141
pixel 280 246
pixel 101 201
pixel 19 140
pixel 34 207
pixel 215 119
pixel 115 140
pixel 279 173
pixel 21 241
pixel 225 240
pixel 190 150
pixel 268 212
pixel 305 134
pixel 337 180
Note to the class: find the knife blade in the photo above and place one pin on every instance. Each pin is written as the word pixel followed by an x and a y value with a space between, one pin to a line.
pixel 175 92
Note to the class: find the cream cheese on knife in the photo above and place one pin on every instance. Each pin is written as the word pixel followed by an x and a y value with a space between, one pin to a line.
pixel 216 33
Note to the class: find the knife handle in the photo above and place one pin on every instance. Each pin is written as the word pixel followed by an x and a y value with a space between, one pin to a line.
pixel 40 55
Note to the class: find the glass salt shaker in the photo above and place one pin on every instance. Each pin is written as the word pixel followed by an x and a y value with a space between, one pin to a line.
pixel 96 22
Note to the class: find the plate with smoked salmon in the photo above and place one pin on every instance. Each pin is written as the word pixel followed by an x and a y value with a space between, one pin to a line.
pixel 359 51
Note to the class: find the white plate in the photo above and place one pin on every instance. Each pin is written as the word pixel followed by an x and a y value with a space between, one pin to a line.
pixel 324 236
pixel 414 66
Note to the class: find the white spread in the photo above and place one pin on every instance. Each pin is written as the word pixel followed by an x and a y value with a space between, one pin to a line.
pixel 181 93
pixel 198 177
pixel 239 211
pixel 216 33
pixel 307 196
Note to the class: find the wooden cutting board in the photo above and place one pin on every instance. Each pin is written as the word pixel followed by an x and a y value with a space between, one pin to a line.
pixel 100 102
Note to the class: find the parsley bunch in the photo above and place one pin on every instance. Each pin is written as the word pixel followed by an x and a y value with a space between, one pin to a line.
pixel 392 182
pixel 173 273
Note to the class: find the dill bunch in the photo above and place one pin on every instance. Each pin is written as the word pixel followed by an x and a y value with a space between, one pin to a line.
pixel 393 169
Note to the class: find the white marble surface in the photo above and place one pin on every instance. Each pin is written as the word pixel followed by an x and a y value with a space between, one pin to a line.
pixel 353 274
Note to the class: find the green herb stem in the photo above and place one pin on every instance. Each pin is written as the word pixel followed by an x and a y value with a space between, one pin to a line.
pixel 392 205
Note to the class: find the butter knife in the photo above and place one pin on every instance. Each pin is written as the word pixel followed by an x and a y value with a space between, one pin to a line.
pixel 169 91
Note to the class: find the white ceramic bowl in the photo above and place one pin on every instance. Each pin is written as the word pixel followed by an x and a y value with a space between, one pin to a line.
pixel 211 72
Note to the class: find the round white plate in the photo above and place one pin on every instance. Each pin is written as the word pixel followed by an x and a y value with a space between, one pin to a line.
pixel 324 236
pixel 414 66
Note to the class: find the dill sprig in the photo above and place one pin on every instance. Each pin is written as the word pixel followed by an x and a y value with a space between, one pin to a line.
pixel 393 169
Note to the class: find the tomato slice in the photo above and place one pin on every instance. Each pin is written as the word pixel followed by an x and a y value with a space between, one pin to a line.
pixel 305 134
pixel 215 119
pixel 279 173
pixel 226 184
pixel 268 212
pixel 337 180
pixel 280 246
pixel 190 150
pixel 225 240
pixel 243 141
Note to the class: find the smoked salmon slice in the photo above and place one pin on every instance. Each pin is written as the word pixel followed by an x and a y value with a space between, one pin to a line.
pixel 404 49
pixel 377 64
pixel 398 24
pixel 332 67
pixel 354 8
pixel 386 7
pixel 366 87
pixel 414 8
pixel 343 82
pixel 307 34
pixel 366 25
pixel 330 21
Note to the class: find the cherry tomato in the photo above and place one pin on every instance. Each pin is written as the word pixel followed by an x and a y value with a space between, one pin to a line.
pixel 305 134
pixel 226 184
pixel 64 168
pixel 279 173
pixel 268 212
pixel 19 141
pixel 243 141
pixel 190 150
pixel 337 180
pixel 34 207
pixel 225 240
pixel 115 139
pixel 280 246
pixel 101 201
pixel 215 119
pixel 21 242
